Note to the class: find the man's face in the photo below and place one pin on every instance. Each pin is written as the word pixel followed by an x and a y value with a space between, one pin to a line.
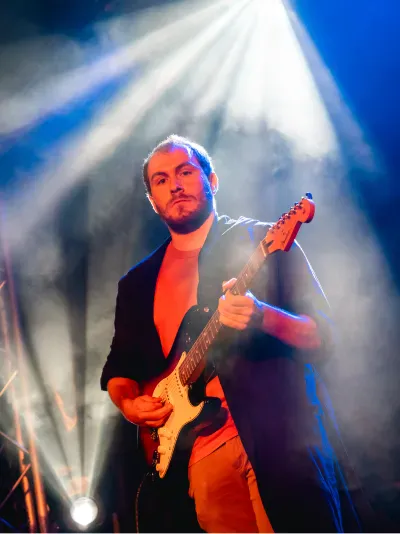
pixel 179 191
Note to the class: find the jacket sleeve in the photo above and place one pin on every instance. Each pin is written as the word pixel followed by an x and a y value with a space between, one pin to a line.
pixel 302 294
pixel 288 281
pixel 123 359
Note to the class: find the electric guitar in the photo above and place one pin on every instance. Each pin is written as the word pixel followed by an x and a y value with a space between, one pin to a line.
pixel 180 384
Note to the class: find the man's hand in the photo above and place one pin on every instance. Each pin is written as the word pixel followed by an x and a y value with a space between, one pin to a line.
pixel 239 312
pixel 146 411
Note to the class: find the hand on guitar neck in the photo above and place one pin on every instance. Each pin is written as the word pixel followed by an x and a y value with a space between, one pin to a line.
pixel 142 410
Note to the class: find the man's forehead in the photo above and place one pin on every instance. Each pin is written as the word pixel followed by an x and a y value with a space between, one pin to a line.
pixel 175 156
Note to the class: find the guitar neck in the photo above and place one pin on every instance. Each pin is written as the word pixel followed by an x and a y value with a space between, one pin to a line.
pixel 199 349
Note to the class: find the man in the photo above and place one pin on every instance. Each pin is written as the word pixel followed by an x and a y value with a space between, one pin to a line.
pixel 265 464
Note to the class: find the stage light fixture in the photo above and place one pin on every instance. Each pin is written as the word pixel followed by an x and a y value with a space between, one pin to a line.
pixel 84 511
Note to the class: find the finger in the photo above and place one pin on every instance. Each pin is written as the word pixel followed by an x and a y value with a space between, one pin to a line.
pixel 228 284
pixel 154 415
pixel 239 301
pixel 150 407
pixel 149 398
pixel 233 324
pixel 226 309
pixel 158 423
pixel 150 402
pixel 236 317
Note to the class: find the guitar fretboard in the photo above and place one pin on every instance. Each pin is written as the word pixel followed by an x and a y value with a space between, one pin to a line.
pixel 199 349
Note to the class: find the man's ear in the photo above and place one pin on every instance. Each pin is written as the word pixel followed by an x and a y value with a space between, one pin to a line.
pixel 214 182
pixel 152 203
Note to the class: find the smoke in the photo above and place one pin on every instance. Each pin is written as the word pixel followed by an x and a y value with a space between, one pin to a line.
pixel 76 210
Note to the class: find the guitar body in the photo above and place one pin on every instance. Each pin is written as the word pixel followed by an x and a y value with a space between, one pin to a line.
pixel 192 409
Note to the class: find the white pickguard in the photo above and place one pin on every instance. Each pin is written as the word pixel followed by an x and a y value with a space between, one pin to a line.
pixel 171 389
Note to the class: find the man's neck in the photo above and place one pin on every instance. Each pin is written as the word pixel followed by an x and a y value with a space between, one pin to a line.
pixel 195 239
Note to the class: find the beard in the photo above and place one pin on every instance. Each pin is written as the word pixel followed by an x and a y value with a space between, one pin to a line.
pixel 187 220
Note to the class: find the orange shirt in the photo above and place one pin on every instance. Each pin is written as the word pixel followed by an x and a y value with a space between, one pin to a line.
pixel 176 292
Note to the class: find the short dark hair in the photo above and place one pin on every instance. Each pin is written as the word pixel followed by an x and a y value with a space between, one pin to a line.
pixel 177 141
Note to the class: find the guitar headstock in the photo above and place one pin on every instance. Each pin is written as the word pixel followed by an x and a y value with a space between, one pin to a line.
pixel 282 234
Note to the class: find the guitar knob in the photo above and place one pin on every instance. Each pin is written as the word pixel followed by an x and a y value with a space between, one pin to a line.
pixel 161 449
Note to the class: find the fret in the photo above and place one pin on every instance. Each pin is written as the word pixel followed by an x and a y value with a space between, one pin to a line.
pixel 235 289
pixel 203 348
pixel 195 356
pixel 251 267
pixel 213 330
pixel 204 339
pixel 242 285
pixel 216 325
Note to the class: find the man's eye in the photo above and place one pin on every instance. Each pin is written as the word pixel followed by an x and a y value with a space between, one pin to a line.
pixel 161 181
pixel 186 173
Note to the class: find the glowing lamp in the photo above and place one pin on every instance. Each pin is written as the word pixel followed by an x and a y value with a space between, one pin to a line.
pixel 84 511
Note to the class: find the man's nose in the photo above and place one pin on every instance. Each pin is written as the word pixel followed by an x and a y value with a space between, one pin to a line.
pixel 176 184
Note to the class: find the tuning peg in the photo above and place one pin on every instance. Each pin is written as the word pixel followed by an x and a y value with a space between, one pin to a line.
pixel 308 195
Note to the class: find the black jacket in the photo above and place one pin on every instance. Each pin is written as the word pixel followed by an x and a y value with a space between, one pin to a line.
pixel 271 392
